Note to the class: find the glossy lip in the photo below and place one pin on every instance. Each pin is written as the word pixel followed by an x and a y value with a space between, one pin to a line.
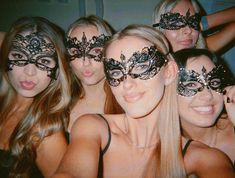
pixel 131 98
pixel 27 85
pixel 87 73
pixel 204 110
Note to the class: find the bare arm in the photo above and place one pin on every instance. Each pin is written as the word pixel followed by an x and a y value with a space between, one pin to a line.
pixel 50 153
pixel 220 39
pixel 82 156
pixel 206 162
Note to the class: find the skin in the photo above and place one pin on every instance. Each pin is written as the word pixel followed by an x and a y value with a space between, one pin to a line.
pixel 185 37
pixel 88 71
pixel 91 75
pixel 131 152
pixel 28 81
pixel 137 130
pixel 203 109
pixel 218 41
pixel 200 112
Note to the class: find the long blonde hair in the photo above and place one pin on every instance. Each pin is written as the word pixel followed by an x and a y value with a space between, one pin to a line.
pixel 48 112
pixel 165 6
pixel 169 154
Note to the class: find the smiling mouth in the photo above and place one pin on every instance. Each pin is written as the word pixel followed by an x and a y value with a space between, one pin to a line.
pixel 204 109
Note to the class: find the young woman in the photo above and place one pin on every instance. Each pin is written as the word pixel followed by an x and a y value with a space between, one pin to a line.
pixel 34 95
pixel 86 38
pixel 145 141
pixel 201 83
pixel 180 21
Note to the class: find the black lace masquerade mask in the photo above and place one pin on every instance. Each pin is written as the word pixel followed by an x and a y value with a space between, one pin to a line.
pixel 33 49
pixel 91 49
pixel 175 21
pixel 191 82
pixel 143 65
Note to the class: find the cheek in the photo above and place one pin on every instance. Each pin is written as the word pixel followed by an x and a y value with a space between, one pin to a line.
pixel 183 104
pixel 15 74
pixel 171 35
pixel 76 66
pixel 195 35
pixel 98 65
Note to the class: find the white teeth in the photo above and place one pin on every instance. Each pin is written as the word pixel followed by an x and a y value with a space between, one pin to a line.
pixel 203 108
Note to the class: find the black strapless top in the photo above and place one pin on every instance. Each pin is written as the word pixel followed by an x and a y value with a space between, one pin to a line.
pixel 6 163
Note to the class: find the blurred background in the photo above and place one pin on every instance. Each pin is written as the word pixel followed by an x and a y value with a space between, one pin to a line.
pixel 119 13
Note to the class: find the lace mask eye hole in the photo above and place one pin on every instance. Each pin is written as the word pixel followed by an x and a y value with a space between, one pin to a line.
pixel 141 68
pixel 95 51
pixel 47 62
pixel 16 55
pixel 72 51
pixel 115 74
pixel 192 85
pixel 215 83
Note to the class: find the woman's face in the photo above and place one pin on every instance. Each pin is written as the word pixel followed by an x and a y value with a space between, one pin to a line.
pixel 185 37
pixel 32 63
pixel 136 82
pixel 200 103
pixel 85 49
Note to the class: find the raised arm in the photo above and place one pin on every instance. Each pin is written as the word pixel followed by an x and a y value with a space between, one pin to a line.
pixel 225 35
pixel 50 153
pixel 82 156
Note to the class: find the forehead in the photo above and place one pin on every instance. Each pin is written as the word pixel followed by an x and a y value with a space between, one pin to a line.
pixel 183 6
pixel 126 46
pixel 89 31
pixel 197 63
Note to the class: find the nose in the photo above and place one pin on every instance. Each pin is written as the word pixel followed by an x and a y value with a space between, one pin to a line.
pixel 187 30
pixel 30 69
pixel 206 94
pixel 128 83
pixel 86 61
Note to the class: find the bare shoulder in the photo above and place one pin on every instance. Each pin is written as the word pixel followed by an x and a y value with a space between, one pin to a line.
pixel 205 161
pixel 91 121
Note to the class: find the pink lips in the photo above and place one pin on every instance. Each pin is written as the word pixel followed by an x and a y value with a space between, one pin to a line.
pixel 27 85
pixel 87 73
pixel 131 98
pixel 187 42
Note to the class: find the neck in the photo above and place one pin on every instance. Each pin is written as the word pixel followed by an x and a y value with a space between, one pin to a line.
pixel 142 132
pixel 207 135
pixel 93 92
pixel 22 103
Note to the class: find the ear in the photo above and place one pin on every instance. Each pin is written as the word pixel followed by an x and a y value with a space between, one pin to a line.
pixel 170 72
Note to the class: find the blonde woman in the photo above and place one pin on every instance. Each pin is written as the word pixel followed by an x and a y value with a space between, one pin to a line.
pixel 145 141
pixel 34 99
pixel 181 23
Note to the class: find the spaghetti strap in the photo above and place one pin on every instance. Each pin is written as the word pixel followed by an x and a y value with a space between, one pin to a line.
pixel 186 146
pixel 109 139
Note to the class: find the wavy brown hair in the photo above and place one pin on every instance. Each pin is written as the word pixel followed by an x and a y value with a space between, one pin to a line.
pixel 48 113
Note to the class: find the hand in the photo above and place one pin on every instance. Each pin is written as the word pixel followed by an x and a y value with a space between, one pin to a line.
pixel 229 101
